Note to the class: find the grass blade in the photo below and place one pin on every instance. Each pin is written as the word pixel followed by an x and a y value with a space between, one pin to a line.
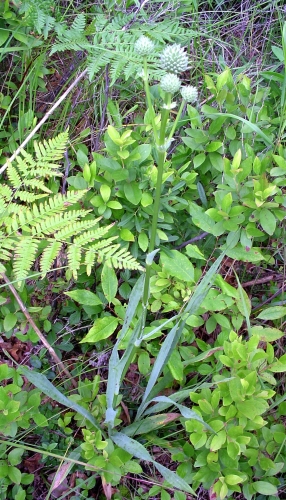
pixel 41 382
pixel 139 451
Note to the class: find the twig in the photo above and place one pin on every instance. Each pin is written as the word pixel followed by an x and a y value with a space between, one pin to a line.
pixel 36 329
pixel 43 120
pixel 195 238
pixel 260 281
pixel 281 290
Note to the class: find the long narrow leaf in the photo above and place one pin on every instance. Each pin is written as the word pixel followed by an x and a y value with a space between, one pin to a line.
pixel 161 360
pixel 39 380
pixel 134 300
pixel 181 395
pixel 185 412
pixel 174 335
pixel 209 111
pixel 117 366
pixel 139 451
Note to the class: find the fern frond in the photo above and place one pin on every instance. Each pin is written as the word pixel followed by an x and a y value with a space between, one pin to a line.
pixel 48 256
pixel 89 236
pixel 76 228
pixel 28 197
pixel 120 258
pixel 25 253
pixel 37 183
pixel 56 222
pixel 6 192
pixel 51 150
pixel 89 260
pixel 38 214
pixel 102 244
pixel 13 177
pixel 79 23
pixel 74 258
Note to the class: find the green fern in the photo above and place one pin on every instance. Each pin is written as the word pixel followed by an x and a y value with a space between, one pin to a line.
pixel 38 15
pixel 33 231
pixel 112 45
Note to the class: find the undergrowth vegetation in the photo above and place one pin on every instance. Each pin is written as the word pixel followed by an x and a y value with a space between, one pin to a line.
pixel 142 249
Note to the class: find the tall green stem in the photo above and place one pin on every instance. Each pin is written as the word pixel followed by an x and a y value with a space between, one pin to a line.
pixel 161 146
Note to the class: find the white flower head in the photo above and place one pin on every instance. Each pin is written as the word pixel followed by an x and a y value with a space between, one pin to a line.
pixel 174 59
pixel 170 83
pixel 144 46
pixel 189 93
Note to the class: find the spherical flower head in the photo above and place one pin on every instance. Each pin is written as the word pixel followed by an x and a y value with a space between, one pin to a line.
pixel 170 83
pixel 189 93
pixel 144 46
pixel 174 59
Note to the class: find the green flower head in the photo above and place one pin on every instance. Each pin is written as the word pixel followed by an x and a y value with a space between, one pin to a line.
pixel 144 46
pixel 170 83
pixel 174 59
pixel 189 93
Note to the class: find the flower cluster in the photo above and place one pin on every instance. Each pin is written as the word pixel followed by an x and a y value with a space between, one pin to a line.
pixel 174 59
pixel 144 46
pixel 189 93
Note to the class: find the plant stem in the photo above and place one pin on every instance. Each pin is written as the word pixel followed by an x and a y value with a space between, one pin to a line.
pixel 149 101
pixel 161 145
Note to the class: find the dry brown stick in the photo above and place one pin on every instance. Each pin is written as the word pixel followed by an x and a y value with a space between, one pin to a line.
pixel 44 341
pixel 260 281
pixel 43 120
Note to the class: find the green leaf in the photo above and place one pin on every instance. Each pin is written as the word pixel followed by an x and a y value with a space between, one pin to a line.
pixel 178 265
pixel 132 192
pixel 150 423
pixel 4 35
pixel 9 322
pixel 137 449
pixel 252 408
pixel 264 488
pixel 84 297
pixel 194 252
pixel 109 282
pixel 203 220
pixel 278 52
pixel 267 221
pixel 144 363
pixel 114 205
pixel 214 146
pixel 208 110
pixel 41 382
pixel 102 329
pixel 126 235
pixel 267 334
pixel 143 241
pixel 271 313
pixel 15 456
pixel 245 254
pixel 278 367
pixel 233 479
pixel 175 366
pixel 112 167
pixel 105 192
pixel 198 160
pixel 144 150
pixel 82 158
pixel 218 440
pixel 146 199
pixel 14 474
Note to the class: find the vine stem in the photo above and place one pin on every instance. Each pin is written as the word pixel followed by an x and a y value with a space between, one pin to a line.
pixel 44 341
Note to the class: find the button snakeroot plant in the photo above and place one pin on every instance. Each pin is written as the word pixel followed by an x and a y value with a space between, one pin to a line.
pixel 174 61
